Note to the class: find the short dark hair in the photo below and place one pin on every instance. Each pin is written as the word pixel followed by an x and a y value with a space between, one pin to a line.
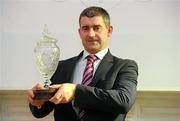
pixel 96 11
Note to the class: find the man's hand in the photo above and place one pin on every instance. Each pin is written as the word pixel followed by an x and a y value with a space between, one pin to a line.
pixel 30 95
pixel 65 93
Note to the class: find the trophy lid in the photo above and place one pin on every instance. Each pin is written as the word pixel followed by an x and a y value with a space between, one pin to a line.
pixel 46 38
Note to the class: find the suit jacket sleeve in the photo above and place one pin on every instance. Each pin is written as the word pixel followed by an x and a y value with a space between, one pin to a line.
pixel 43 111
pixel 115 93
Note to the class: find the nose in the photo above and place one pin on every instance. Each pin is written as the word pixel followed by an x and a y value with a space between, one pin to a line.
pixel 91 32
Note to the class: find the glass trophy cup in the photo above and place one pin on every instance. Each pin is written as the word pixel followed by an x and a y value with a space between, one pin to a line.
pixel 46 57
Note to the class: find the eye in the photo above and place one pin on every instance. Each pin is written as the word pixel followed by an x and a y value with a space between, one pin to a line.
pixel 96 28
pixel 85 28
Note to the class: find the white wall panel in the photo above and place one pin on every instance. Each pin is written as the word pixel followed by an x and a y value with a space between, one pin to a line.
pixel 179 39
pixel 1 41
pixel 147 32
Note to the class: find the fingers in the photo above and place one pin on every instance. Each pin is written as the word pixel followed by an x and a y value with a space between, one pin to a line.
pixel 64 94
pixel 30 95
pixel 57 97
pixel 31 91
pixel 39 86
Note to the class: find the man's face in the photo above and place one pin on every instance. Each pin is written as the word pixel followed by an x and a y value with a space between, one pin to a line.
pixel 94 33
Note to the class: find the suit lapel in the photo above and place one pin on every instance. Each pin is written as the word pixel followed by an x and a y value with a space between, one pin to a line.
pixel 71 70
pixel 71 67
pixel 102 69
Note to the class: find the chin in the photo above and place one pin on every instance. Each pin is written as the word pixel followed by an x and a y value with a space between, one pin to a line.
pixel 93 51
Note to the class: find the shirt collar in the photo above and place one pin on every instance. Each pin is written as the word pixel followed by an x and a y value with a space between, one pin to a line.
pixel 100 54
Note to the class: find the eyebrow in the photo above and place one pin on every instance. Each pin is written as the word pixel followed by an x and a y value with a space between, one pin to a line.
pixel 91 26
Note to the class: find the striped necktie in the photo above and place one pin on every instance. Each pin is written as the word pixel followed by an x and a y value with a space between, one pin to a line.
pixel 87 78
pixel 88 71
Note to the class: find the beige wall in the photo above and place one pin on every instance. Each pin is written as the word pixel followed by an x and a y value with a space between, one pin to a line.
pixel 149 106
pixel 14 107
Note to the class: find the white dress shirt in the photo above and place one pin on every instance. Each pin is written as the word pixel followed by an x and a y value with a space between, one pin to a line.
pixel 80 66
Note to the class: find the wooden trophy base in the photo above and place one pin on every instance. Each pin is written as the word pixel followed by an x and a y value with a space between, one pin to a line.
pixel 43 94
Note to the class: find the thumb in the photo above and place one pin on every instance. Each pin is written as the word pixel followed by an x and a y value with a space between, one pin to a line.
pixel 55 86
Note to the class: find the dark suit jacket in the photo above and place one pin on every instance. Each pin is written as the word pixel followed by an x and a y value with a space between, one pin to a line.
pixel 108 98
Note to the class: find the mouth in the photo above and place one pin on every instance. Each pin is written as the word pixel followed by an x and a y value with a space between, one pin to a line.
pixel 91 41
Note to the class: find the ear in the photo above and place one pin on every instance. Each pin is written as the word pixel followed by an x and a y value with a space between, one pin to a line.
pixel 110 30
pixel 79 31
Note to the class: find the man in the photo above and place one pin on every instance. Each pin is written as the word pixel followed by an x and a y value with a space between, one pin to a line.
pixel 109 90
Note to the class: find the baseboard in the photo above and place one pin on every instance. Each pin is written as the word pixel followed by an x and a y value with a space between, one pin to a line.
pixel 149 106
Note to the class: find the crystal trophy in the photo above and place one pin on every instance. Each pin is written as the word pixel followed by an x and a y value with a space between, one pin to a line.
pixel 46 57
